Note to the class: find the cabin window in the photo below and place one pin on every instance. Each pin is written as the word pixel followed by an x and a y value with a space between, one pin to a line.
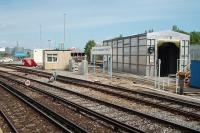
pixel 52 57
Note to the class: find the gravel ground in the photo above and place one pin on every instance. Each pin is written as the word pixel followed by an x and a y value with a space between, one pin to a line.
pixel 83 121
pixel 142 108
pixel 4 127
pixel 100 109
pixel 25 119
pixel 136 106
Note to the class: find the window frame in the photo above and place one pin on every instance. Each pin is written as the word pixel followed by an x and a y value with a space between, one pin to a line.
pixel 52 56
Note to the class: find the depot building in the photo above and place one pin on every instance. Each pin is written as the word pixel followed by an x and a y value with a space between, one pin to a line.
pixel 140 54
pixel 56 59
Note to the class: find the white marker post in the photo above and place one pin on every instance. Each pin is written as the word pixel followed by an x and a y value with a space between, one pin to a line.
pixel 159 63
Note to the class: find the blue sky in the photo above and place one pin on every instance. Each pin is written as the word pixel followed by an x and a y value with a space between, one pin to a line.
pixel 20 20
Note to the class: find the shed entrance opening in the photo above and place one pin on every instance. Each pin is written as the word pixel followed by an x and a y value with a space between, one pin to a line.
pixel 168 52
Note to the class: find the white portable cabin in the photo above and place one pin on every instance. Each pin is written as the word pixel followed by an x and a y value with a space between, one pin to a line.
pixel 139 54
pixel 38 55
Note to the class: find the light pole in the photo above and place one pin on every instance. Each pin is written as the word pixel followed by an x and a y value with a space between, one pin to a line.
pixel 64 30
pixel 49 41
pixel 40 34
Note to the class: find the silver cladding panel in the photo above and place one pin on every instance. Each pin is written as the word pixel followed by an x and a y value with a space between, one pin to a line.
pixel 134 50
pixel 114 66
pixel 120 51
pixel 120 43
pixel 127 56
pixel 133 68
pixel 127 41
pixel 127 50
pixel 143 42
pixel 143 50
pixel 142 60
pixel 134 60
pixel 126 59
pixel 114 58
pixel 120 59
pixel 120 66
pixel 126 68
pixel 134 41
pixel 114 51
pixel 142 70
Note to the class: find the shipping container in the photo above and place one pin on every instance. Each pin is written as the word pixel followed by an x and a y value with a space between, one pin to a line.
pixel 138 54
pixel 195 73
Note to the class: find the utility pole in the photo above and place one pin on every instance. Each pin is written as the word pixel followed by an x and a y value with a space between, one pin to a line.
pixel 40 34
pixel 49 44
pixel 64 30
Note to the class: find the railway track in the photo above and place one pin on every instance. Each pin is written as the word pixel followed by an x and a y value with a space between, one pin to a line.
pixel 34 117
pixel 114 126
pixel 6 123
pixel 169 103
pixel 113 108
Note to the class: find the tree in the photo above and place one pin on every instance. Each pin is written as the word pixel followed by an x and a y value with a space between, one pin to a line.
pixel 194 35
pixel 88 47
pixel 175 28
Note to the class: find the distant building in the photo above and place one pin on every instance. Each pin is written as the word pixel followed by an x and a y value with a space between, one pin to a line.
pixel 17 52
pixel 20 55
pixel 2 49
pixel 56 59
pixel 9 51
pixel 77 54
pixel 2 52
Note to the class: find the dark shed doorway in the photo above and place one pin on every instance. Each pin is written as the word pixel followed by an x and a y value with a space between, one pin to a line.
pixel 168 52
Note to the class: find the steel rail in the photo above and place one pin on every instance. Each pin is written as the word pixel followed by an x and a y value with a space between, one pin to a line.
pixel 86 83
pixel 151 95
pixel 9 122
pixel 131 111
pixel 117 125
pixel 65 124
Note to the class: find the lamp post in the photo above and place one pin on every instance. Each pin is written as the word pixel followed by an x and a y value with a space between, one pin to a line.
pixel 64 31
pixel 40 34
pixel 49 41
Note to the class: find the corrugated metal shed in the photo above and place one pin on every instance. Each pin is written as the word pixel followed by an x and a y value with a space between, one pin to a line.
pixel 133 54
pixel 195 73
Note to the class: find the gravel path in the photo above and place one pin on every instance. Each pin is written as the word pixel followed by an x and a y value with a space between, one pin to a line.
pixel 25 119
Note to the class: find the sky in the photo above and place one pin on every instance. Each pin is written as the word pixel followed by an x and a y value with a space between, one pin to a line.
pixel 20 20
